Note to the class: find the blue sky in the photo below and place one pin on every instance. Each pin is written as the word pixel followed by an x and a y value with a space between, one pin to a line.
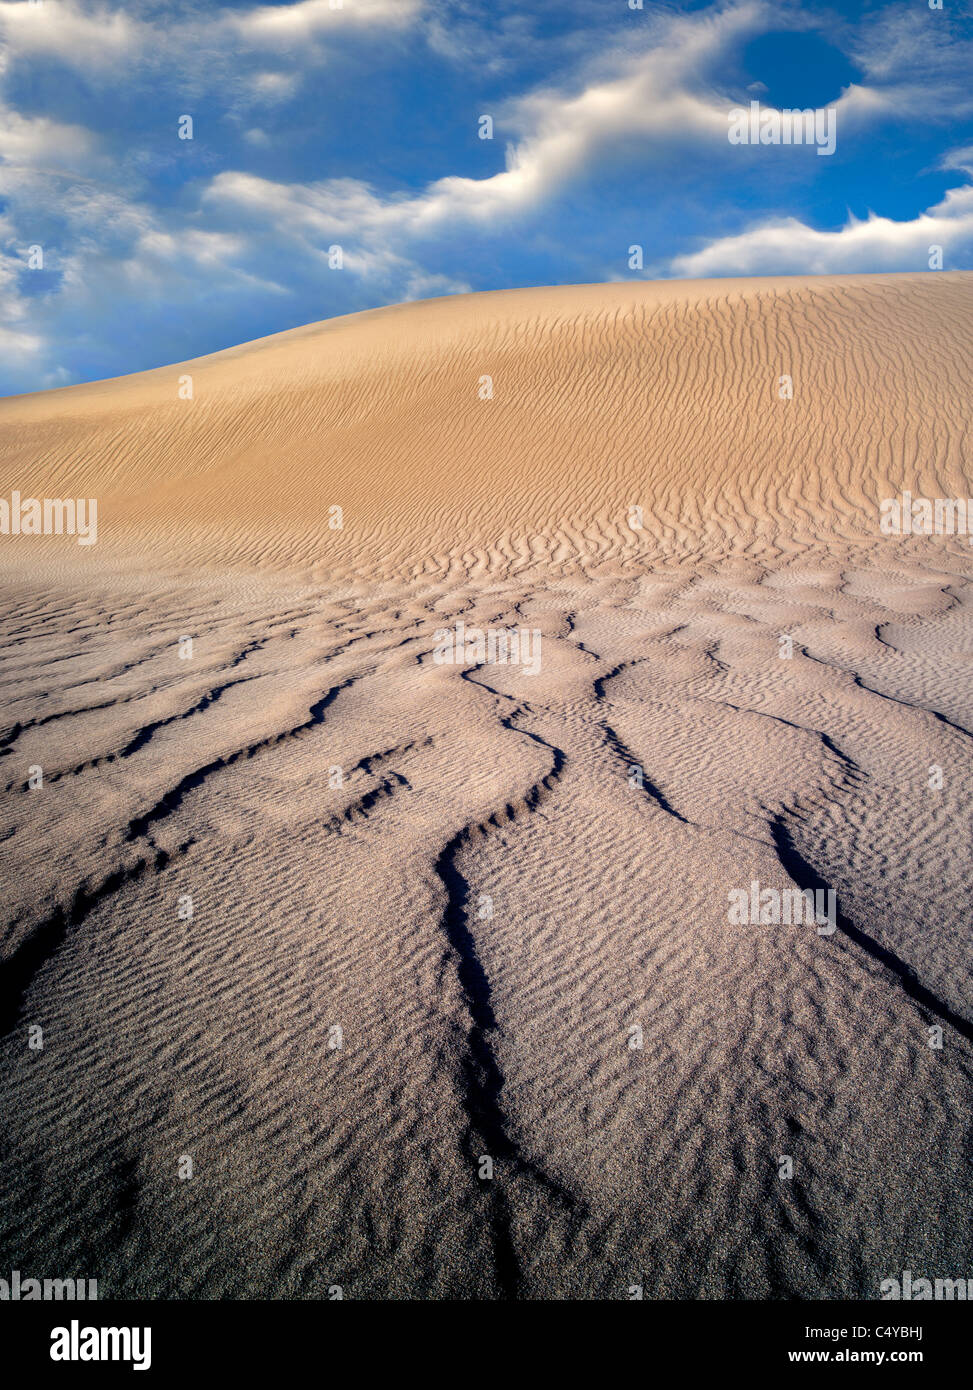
pixel 355 123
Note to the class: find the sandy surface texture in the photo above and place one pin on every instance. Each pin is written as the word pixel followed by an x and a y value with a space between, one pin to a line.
pixel 330 963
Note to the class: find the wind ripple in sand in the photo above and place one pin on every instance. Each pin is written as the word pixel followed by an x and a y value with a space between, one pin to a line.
pixel 468 1034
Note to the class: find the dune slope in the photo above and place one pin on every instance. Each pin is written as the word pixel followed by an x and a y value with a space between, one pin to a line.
pixel 493 433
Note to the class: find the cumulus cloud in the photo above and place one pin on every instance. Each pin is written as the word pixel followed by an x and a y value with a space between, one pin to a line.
pixel 787 246
pixel 654 95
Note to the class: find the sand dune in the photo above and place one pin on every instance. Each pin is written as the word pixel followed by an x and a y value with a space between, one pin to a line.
pixel 443 913
pixel 660 396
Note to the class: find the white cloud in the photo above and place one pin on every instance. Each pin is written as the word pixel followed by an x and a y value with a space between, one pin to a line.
pixel 15 342
pixel 275 86
pixel 787 246
pixel 651 98
pixel 35 140
pixel 652 95
pixel 914 56
pixel 308 18
pixel 655 96
pixel 310 218
pixel 98 37
pixel 63 29
pixel 961 158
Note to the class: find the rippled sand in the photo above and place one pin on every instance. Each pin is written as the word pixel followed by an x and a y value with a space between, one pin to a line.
pixel 436 917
